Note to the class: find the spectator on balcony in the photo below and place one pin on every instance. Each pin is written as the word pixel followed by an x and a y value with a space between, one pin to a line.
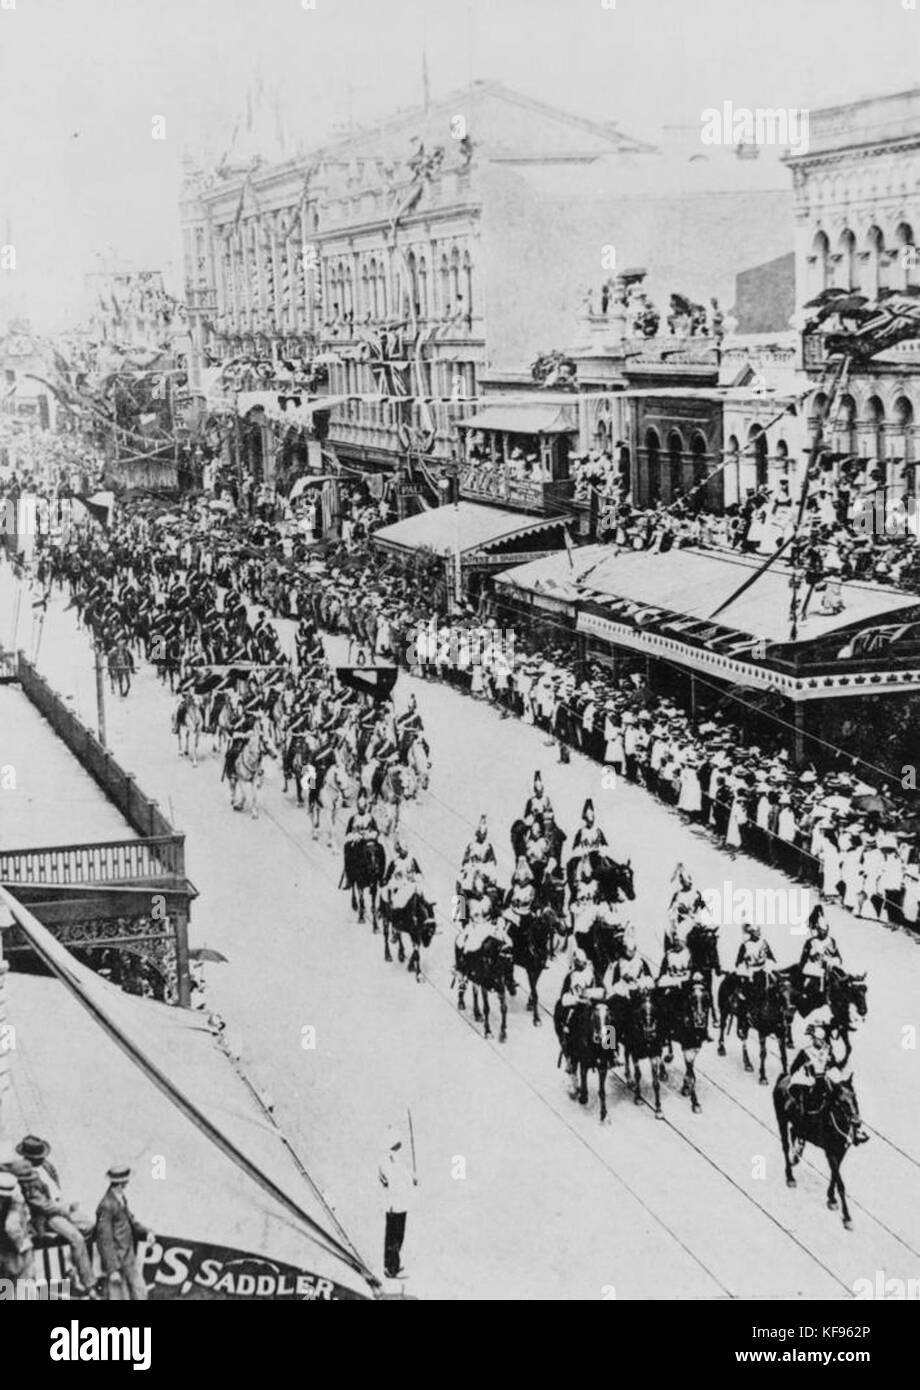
pixel 16 1256
pixel 48 1212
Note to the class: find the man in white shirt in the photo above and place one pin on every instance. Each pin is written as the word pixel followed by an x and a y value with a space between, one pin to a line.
pixel 397 1180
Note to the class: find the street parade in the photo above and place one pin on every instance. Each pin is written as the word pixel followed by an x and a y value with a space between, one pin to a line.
pixel 459 648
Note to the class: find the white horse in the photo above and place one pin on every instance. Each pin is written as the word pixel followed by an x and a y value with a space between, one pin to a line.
pixel 188 721
pixel 339 791
pixel 248 770
pixel 419 765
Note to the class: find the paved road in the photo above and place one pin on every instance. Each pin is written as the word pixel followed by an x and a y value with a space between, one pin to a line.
pixel 523 1193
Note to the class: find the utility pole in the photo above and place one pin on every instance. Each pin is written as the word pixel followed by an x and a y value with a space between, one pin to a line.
pixel 100 694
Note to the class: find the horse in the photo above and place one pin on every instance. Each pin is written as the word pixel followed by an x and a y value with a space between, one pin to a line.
pixel 487 970
pixel 293 763
pixel 365 865
pixel 531 948
pixel 247 769
pixel 414 918
pixel 335 791
pixel 588 1043
pixel 640 1026
pixel 832 1126
pixel 766 1003
pixel 418 761
pixel 603 942
pixel 686 1009
pixel 845 992
pixel 703 946
pixel 188 721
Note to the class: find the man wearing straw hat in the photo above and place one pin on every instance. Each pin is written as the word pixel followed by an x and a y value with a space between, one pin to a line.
pixel 117 1234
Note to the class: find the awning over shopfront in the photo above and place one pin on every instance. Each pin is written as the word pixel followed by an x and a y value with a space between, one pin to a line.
pixel 521 419
pixel 157 1092
pixel 471 528
pixel 660 604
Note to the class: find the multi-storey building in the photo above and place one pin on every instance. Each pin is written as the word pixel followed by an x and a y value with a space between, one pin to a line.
pixel 857 210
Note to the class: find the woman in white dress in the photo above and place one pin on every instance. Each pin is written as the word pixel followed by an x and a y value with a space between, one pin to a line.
pixel 690 798
pixel 911 907
pixel 737 817
pixel 614 751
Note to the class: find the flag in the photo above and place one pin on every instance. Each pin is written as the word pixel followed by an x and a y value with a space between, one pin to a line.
pixel 369 680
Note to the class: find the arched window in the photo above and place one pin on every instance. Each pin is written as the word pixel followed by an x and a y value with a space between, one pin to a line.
pixel 819 265
pixel 383 297
pixel 845 426
pixel 675 461
pixel 847 269
pixel 758 439
pixel 412 287
pixel 903 413
pixel 455 291
pixel 905 271
pixel 366 296
pixel 468 286
pixel 700 469
pixel 782 456
pixel 876 275
pixel 422 288
pixel 444 287
pixel 653 465
pixel 875 435
pixel 374 288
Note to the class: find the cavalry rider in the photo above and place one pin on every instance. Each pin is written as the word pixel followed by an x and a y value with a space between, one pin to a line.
pixel 240 726
pixel 409 724
pixel 521 895
pixel 479 924
pixel 478 857
pixel 589 836
pixel 816 1070
pixel 539 803
pixel 622 976
pixel 381 748
pixel 684 895
pixel 755 956
pixel 676 965
pixel 578 987
pixel 361 824
pixel 820 955
pixel 537 850
pixel 403 876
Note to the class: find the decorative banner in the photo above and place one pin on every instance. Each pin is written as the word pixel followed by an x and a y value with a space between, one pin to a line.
pixel 188 1270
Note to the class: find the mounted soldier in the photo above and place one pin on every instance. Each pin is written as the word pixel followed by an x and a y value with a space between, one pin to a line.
pixel 820 955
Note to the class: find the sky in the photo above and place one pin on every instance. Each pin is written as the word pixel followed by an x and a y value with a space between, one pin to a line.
pixel 82 82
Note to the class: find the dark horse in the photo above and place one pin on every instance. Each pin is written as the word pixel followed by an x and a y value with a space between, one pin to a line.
pixel 832 1126
pixel 686 1013
pixel 703 946
pixel 416 919
pixel 641 1027
pixel 615 882
pixel 488 971
pixel 531 946
pixel 845 993
pixel 365 864
pixel 764 1003
pixel 293 763
pixel 588 1043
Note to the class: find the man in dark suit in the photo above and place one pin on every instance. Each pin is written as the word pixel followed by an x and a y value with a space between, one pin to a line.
pixel 117 1232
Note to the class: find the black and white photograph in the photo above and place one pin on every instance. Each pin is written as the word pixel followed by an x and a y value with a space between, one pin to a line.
pixel 460 663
